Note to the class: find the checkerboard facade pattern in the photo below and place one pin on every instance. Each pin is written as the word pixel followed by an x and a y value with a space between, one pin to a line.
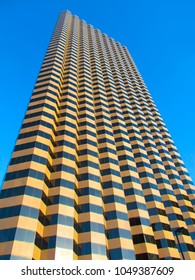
pixel 94 173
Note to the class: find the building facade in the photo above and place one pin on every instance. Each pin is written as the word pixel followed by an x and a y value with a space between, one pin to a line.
pixel 94 173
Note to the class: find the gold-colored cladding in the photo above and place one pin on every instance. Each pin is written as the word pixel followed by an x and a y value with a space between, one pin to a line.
pixel 94 173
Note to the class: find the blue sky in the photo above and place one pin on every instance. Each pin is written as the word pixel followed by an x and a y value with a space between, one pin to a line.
pixel 158 34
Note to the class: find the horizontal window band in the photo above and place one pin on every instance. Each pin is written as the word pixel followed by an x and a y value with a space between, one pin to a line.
pixel 118 233
pixel 24 173
pixel 136 205
pixel 112 184
pixel 88 191
pixel 88 163
pixel 40 113
pixel 47 79
pixel 31 145
pixel 45 97
pixel 27 158
pixel 113 199
pixel 89 248
pixel 84 208
pixel 110 171
pixel 115 214
pixel 34 133
pixel 121 254
pixel 19 210
pixel 19 234
pixel 89 226
pixel 38 122
pixel 87 177
pixel 42 105
pixel 13 257
pixel 45 91
pixel 22 190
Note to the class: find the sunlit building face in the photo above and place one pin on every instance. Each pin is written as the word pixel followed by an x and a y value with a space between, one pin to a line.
pixel 94 173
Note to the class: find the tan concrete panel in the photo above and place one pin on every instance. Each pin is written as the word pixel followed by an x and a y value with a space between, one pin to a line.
pixel 63 254
pixel 113 191
pixel 28 223
pixel 36 253
pixel 90 199
pixel 14 183
pixel 92 217
pixel 48 254
pixel 137 198
pixel 23 249
pixel 137 213
pixel 189 255
pixel 6 248
pixel 7 223
pixel 7 202
pixel 62 191
pixel 58 208
pixel 59 230
pixel 167 252
pixel 60 174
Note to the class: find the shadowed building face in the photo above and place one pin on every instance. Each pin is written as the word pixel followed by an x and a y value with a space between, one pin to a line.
pixel 94 173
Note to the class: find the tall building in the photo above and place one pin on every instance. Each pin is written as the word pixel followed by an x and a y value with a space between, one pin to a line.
pixel 94 173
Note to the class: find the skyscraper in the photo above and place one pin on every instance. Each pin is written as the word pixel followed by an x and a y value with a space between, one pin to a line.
pixel 94 173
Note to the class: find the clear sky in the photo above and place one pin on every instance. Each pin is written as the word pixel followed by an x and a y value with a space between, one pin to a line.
pixel 158 34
